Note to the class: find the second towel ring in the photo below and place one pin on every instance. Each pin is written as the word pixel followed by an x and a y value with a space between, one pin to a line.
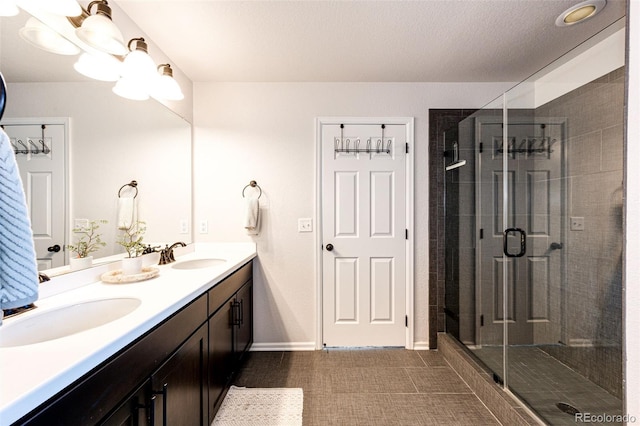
pixel 132 184
pixel 252 184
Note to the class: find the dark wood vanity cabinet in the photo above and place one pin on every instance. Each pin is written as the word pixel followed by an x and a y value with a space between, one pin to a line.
pixel 134 411
pixel 173 375
pixel 230 332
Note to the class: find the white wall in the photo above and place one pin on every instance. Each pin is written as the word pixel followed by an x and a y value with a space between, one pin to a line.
pixel 265 131
pixel 632 248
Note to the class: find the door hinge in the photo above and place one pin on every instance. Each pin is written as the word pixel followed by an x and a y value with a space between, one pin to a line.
pixel 481 148
pixel 406 234
pixel 481 320
pixel 406 148
pixel 481 233
pixel 406 320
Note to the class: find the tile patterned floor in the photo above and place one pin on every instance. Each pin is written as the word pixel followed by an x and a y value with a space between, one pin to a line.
pixel 370 387
pixel 543 381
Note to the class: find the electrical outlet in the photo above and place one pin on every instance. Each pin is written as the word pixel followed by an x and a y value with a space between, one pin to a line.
pixel 305 225
pixel 184 226
pixel 577 223
pixel 203 227
pixel 81 223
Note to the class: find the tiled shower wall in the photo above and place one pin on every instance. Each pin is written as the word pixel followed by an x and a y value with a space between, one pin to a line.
pixel 440 120
pixel 593 294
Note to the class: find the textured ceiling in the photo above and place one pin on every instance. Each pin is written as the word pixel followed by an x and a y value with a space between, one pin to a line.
pixel 369 41
pixel 335 41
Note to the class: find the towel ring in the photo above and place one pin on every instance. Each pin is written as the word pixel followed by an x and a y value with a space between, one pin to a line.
pixel 253 184
pixel 132 184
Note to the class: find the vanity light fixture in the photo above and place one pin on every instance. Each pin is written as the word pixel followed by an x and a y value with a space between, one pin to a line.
pixel 580 12
pixel 165 86
pixel 99 31
pixel 43 37
pixel 138 65
pixel 99 66
pixel 8 8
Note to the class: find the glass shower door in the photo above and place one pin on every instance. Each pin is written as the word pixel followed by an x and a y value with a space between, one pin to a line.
pixel 562 181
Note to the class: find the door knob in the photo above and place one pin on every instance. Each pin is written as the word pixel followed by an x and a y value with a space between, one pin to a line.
pixel 329 247
pixel 53 249
pixel 555 246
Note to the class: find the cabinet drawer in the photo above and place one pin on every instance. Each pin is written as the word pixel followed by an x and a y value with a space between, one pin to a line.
pixel 222 291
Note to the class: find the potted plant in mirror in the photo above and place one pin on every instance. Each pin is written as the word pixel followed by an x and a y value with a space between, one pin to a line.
pixel 131 240
pixel 89 241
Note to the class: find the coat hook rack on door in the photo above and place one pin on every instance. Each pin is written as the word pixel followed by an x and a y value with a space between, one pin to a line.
pixel 343 145
pixel 30 146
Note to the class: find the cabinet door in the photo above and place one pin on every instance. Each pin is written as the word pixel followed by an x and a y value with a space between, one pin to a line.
pixel 244 331
pixel 179 385
pixel 220 354
pixel 134 411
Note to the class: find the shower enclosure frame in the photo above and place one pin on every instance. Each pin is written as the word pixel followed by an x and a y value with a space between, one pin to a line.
pixel 574 355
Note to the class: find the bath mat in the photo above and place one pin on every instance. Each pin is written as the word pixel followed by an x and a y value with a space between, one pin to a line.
pixel 260 406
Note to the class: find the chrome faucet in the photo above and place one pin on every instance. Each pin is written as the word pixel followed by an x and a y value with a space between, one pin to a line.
pixel 166 254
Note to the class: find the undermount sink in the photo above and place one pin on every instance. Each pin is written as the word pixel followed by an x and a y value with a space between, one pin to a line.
pixel 198 263
pixel 65 321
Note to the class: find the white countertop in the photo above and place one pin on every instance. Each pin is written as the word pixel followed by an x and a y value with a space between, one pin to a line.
pixel 31 374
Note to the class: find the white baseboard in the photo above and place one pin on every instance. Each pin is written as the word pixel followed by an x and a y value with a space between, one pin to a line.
pixel 283 346
pixel 309 346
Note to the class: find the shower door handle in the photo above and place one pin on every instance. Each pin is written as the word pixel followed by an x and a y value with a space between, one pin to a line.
pixel 523 242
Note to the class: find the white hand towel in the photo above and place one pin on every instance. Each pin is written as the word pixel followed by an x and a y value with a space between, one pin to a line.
pixel 252 215
pixel 126 212
pixel 18 265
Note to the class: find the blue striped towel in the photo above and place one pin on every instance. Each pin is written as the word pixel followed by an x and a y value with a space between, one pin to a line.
pixel 18 267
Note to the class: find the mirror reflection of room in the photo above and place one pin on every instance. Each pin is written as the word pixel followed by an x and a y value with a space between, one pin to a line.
pixel 95 142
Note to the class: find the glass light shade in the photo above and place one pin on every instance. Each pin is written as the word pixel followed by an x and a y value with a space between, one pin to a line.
pixel 60 7
pixel 166 87
pixel 130 89
pixel 101 67
pixel 8 8
pixel 43 37
pixel 139 66
pixel 101 33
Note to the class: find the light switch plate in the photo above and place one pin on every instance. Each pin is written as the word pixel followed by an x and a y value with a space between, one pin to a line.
pixel 203 227
pixel 305 224
pixel 81 223
pixel 577 223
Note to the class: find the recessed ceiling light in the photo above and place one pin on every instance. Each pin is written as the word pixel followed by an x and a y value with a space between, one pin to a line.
pixel 580 12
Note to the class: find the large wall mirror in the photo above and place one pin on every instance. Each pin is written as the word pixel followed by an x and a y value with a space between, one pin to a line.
pixel 111 141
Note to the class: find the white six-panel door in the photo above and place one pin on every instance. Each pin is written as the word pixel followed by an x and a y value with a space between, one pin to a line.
pixel 364 226
pixel 42 170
